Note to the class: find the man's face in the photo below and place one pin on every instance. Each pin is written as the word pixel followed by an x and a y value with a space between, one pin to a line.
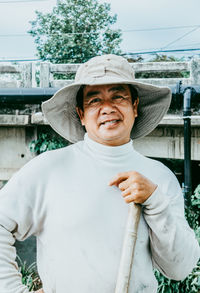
pixel 108 113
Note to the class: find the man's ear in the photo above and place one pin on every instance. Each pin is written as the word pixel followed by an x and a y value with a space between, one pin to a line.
pixel 80 114
pixel 135 107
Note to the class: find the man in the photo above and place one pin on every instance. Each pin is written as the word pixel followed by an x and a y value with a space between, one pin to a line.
pixel 75 199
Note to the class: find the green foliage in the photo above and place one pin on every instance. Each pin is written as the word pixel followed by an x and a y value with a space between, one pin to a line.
pixel 192 283
pixel 137 59
pixel 75 31
pixel 196 199
pixel 47 142
pixel 192 212
pixel 29 274
pixel 163 58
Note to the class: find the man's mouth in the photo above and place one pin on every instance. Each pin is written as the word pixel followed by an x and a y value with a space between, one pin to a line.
pixel 110 122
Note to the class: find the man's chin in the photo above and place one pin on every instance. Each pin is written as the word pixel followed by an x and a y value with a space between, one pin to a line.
pixel 110 135
pixel 113 139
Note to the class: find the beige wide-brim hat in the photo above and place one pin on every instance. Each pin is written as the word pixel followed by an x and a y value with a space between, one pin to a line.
pixel 60 110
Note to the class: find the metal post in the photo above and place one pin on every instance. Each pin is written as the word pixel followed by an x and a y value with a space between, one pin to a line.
pixel 187 145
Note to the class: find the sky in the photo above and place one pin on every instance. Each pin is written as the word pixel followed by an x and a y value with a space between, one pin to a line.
pixel 146 26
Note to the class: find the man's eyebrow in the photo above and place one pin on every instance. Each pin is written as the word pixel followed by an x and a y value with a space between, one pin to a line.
pixel 112 89
pixel 92 93
pixel 118 88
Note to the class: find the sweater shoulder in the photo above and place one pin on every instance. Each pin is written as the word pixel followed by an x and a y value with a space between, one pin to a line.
pixel 43 164
pixel 153 163
pixel 157 169
pixel 53 156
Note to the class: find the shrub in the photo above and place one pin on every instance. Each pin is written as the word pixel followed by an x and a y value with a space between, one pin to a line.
pixel 47 142
pixel 29 274
pixel 192 283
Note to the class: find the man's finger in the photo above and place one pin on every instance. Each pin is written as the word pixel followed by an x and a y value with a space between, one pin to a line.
pixel 119 178
pixel 129 198
pixel 124 185
pixel 126 192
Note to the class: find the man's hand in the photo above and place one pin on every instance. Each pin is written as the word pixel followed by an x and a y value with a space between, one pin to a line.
pixel 39 291
pixel 134 186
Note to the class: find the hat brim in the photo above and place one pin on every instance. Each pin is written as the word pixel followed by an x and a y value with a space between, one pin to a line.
pixel 60 110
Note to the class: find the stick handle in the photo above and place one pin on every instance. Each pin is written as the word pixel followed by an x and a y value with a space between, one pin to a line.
pixel 128 248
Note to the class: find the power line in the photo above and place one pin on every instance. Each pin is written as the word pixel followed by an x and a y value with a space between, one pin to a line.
pixel 19 1
pixel 14 35
pixel 188 46
pixel 88 33
pixel 161 51
pixel 162 28
pixel 180 38
pixel 58 34
pixel 193 44
pixel 124 54
pixel 21 60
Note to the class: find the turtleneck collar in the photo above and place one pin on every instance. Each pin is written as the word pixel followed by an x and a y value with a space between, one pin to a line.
pixel 108 151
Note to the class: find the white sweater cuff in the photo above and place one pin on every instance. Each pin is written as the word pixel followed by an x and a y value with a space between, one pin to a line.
pixel 156 203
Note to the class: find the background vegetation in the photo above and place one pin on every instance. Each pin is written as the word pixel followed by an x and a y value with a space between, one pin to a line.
pixel 75 31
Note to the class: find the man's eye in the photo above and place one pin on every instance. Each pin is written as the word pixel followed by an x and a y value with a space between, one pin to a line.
pixel 93 101
pixel 118 98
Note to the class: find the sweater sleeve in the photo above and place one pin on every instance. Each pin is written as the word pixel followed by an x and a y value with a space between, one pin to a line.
pixel 18 208
pixel 175 250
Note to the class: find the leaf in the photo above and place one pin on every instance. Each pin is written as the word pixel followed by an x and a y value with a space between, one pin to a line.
pixel 55 32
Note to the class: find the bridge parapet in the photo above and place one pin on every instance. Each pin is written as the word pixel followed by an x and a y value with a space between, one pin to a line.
pixel 49 70
pixel 50 75
pixel 16 75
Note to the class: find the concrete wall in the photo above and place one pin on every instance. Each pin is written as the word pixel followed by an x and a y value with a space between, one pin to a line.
pixel 166 141
pixel 14 149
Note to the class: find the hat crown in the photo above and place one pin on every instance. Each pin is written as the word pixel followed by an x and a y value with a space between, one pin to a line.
pixel 102 66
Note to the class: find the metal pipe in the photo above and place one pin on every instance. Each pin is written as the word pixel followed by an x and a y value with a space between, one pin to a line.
pixel 38 95
pixel 187 144
pixel 25 95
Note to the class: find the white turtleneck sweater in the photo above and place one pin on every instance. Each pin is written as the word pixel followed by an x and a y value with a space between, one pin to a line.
pixel 63 198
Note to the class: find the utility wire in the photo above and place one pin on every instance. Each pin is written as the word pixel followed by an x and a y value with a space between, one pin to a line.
pixel 14 35
pixel 21 60
pixel 161 51
pixel 88 33
pixel 180 38
pixel 124 54
pixel 7 2
pixel 161 28
pixel 184 46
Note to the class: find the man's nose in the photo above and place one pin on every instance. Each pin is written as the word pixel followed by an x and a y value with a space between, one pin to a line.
pixel 107 107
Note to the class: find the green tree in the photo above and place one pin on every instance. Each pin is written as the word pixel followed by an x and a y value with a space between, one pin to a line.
pixel 165 58
pixel 75 31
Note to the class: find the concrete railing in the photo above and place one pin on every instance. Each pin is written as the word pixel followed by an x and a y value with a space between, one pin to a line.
pixel 48 70
pixel 12 76
pixel 23 75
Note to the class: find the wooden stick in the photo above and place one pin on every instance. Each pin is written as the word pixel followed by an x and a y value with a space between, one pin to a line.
pixel 128 249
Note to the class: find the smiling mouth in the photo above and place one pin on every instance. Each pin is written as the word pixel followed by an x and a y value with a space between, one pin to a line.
pixel 110 122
